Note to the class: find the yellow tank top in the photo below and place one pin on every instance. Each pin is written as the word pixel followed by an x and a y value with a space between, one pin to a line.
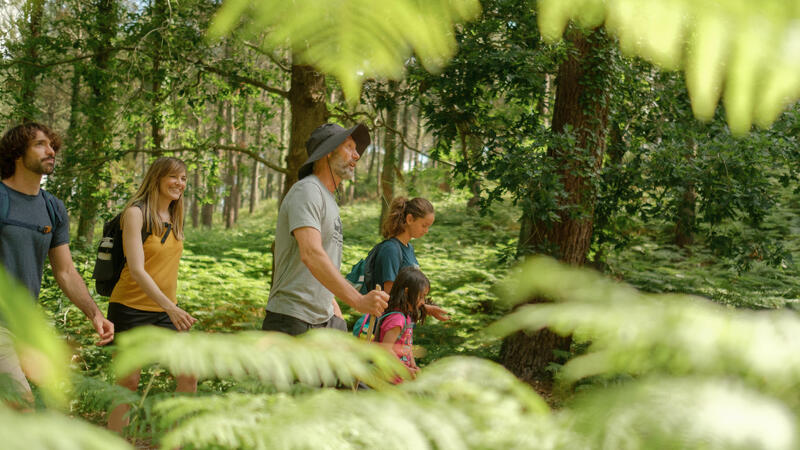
pixel 161 263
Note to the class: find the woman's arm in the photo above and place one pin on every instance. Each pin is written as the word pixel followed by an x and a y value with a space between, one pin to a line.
pixel 134 255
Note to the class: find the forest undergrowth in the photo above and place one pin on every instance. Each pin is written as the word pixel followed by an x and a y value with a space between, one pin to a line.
pixel 224 281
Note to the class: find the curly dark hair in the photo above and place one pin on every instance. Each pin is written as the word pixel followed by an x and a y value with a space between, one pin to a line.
pixel 15 142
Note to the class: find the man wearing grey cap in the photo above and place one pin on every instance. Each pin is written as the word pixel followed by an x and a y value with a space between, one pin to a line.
pixel 308 240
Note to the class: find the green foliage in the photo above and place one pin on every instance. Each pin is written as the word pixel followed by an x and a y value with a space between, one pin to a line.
pixel 40 352
pixel 459 403
pixel 318 357
pixel 686 412
pixel 661 340
pixel 352 39
pixel 747 47
pixel 48 430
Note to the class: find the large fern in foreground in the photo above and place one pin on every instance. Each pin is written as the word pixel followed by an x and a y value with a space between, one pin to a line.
pixel 321 357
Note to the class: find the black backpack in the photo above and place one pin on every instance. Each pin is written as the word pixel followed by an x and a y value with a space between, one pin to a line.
pixel 110 256
pixel 50 202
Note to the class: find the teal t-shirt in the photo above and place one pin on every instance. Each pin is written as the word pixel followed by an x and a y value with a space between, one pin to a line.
pixel 392 255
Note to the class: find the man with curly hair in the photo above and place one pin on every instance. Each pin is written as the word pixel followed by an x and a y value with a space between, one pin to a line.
pixel 34 226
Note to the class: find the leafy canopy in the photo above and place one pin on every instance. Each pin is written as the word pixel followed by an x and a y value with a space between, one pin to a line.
pixel 352 39
pixel 751 48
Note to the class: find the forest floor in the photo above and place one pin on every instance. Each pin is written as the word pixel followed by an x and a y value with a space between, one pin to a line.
pixel 224 278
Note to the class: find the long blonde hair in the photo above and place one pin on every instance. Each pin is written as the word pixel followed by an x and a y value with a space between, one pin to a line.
pixel 147 197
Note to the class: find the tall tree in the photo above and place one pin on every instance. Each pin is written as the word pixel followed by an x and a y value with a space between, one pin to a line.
pixel 100 108
pixel 307 102
pixel 389 151
pixel 580 117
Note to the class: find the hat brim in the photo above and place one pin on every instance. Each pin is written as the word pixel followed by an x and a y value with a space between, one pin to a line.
pixel 359 133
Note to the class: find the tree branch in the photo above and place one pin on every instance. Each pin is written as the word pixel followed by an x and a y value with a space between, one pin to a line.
pixel 406 145
pixel 241 78
pixel 14 62
pixel 281 65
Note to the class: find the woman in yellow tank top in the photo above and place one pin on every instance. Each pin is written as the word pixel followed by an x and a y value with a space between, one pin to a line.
pixel 146 293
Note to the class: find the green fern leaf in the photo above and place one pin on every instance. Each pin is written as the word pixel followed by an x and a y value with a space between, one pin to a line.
pixel 49 430
pixel 752 49
pixel 353 39
pixel 319 357
pixel 42 354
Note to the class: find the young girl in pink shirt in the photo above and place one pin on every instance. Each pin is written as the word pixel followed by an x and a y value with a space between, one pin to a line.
pixel 406 308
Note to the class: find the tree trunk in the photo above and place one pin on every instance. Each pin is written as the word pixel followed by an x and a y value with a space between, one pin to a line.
pixel 230 169
pixel 389 155
pixel 99 112
pixel 29 73
pixel 254 175
pixel 207 212
pixel 308 111
pixel 158 74
pixel 687 204
pixel 581 103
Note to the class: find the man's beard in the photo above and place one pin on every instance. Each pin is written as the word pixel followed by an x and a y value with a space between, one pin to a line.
pixel 342 169
pixel 40 167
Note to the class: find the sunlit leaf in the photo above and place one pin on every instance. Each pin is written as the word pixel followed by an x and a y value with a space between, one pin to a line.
pixel 684 413
pixel 43 356
pixel 352 39
pixel 316 358
pixel 748 51
pixel 49 430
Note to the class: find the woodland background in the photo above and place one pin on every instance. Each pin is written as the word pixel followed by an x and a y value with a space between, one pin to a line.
pixel 587 149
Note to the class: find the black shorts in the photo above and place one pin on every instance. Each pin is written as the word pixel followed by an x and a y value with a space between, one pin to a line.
pixel 294 326
pixel 125 318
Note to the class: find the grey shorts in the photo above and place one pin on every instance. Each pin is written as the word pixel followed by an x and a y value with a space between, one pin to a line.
pixel 294 326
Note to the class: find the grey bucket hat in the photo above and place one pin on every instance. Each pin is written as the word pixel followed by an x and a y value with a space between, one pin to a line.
pixel 326 138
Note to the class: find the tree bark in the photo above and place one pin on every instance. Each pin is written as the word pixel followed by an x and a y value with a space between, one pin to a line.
pixel 157 75
pixel 581 105
pixel 308 111
pixel 687 204
pixel 230 169
pixel 254 175
pixel 389 154
pixel 99 111
pixel 29 73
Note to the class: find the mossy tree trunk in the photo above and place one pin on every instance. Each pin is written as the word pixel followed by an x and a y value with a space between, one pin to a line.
pixel 581 106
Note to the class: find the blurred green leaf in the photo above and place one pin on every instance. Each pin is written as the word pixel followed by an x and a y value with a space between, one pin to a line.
pixel 749 48
pixel 352 39
pixel 319 357
pixel 43 356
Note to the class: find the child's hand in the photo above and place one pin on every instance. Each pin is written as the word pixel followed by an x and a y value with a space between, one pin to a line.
pixel 437 312
pixel 413 371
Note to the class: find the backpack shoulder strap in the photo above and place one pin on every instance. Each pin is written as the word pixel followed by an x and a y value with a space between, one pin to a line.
pixel 3 203
pixel 53 210
pixel 405 323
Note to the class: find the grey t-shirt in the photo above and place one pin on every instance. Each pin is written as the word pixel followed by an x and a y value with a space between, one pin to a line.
pixel 23 250
pixel 295 292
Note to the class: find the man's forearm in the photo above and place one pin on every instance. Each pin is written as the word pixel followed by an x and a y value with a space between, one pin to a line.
pixel 75 289
pixel 324 271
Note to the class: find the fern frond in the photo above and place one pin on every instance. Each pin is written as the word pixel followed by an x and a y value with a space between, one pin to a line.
pixel 683 413
pixel 353 39
pixel 98 395
pixel 49 430
pixel 430 412
pixel 633 332
pixel 319 357
pixel 42 354
pixel 477 383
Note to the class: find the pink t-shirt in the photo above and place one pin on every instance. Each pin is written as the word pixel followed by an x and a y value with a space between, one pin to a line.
pixel 402 347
